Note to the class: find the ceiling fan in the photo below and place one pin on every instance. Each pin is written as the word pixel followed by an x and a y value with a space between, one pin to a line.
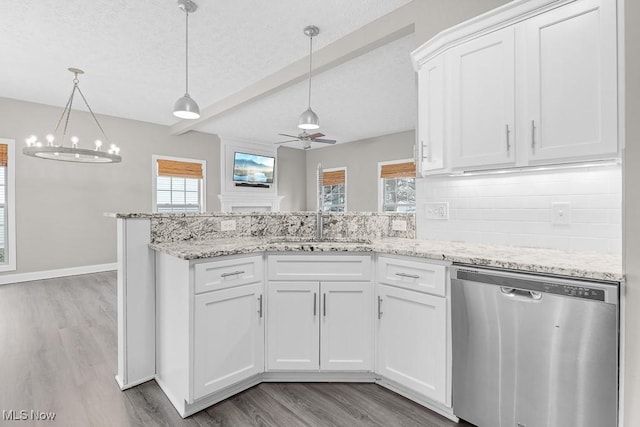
pixel 307 139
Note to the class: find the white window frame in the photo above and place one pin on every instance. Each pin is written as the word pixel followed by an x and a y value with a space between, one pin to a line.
pixel 154 179
pixel 381 180
pixel 10 218
pixel 346 198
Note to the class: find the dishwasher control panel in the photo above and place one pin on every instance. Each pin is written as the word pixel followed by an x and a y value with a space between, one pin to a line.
pixel 570 288
pixel 573 291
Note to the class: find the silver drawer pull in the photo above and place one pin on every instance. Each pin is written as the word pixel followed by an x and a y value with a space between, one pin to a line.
pixel 233 273
pixel 411 276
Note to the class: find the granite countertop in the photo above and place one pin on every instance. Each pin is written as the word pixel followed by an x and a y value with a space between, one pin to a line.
pixel 581 265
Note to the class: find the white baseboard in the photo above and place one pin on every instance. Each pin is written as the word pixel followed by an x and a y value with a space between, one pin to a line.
pixel 61 272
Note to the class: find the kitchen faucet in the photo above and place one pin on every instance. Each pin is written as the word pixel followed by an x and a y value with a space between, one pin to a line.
pixel 319 224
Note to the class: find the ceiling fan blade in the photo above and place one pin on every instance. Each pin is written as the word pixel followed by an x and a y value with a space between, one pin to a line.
pixel 315 135
pixel 284 142
pixel 326 141
pixel 290 136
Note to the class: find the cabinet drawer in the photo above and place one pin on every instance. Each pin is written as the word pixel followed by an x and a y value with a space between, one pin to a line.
pixel 319 267
pixel 412 274
pixel 211 276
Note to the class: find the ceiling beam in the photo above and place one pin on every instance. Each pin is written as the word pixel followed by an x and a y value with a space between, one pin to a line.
pixel 386 29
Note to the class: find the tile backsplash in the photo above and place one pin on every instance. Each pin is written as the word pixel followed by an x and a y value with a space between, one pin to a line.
pixel 516 208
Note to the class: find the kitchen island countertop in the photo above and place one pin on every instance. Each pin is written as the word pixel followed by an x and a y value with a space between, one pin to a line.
pixel 573 264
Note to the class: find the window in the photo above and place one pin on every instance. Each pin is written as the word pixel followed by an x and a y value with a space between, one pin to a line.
pixel 398 186
pixel 334 190
pixel 7 206
pixel 178 185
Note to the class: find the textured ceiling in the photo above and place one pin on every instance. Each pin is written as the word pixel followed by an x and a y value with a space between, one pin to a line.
pixel 133 56
pixel 371 95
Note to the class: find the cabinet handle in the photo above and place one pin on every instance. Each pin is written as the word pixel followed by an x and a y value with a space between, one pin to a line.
pixel 533 135
pixel 314 303
pixel 260 306
pixel 428 150
pixel 379 307
pixel 411 276
pixel 233 273
pixel 324 305
pixel 507 133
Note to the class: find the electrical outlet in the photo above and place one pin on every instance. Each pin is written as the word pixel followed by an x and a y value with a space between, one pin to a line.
pixel 439 210
pixel 228 225
pixel 561 213
pixel 399 225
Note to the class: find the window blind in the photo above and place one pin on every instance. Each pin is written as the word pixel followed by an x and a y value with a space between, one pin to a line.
pixel 179 169
pixel 398 170
pixel 3 155
pixel 333 177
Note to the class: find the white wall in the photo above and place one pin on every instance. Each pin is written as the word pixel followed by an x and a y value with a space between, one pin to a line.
pixel 515 208
pixel 60 206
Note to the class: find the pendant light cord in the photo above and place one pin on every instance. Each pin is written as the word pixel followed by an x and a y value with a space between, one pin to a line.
pixel 310 57
pixel 187 53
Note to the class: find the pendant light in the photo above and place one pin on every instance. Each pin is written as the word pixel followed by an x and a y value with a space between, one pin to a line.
pixel 52 151
pixel 186 107
pixel 308 119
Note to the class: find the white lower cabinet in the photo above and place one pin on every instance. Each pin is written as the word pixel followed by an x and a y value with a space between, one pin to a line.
pixel 346 328
pixel 211 315
pixel 320 326
pixel 292 326
pixel 228 338
pixel 412 340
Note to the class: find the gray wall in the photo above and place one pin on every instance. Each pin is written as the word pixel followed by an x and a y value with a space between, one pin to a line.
pixel 292 175
pixel 631 206
pixel 60 206
pixel 361 160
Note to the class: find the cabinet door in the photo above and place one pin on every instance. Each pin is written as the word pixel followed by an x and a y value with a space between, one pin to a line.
pixel 483 101
pixel 570 90
pixel 412 346
pixel 228 338
pixel 346 329
pixel 431 110
pixel 293 327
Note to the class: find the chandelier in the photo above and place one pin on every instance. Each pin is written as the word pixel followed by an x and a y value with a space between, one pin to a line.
pixel 52 151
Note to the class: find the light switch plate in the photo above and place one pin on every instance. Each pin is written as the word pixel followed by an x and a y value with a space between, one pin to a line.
pixel 439 210
pixel 228 225
pixel 561 213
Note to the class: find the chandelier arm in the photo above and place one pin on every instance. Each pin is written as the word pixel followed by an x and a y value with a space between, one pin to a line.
pixel 66 122
pixel 66 107
pixel 93 115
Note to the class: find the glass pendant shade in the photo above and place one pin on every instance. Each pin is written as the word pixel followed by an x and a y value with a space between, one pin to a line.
pixel 308 120
pixel 186 108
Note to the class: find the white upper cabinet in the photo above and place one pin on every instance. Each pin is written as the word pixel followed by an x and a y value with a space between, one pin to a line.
pixel 431 126
pixel 483 100
pixel 570 87
pixel 533 82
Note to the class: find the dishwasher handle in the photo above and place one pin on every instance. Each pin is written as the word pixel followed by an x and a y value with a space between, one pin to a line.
pixel 513 292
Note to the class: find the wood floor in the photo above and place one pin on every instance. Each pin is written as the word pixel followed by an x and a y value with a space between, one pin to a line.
pixel 58 349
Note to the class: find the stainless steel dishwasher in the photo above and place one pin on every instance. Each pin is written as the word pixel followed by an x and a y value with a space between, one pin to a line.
pixel 533 351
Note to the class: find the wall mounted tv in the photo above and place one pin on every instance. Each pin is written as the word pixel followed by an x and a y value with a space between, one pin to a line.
pixel 253 168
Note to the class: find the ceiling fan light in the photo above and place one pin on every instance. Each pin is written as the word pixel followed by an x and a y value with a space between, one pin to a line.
pixel 186 108
pixel 308 120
